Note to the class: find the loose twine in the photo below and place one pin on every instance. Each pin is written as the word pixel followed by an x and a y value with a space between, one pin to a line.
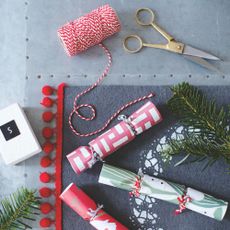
pixel 79 35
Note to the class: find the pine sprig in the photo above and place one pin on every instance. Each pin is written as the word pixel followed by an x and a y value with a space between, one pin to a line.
pixel 208 135
pixel 198 146
pixel 17 209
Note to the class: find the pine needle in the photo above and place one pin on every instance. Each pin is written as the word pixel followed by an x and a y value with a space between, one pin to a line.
pixel 17 208
pixel 209 132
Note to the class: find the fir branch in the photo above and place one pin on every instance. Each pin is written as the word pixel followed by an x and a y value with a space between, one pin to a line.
pixel 198 146
pixel 208 130
pixel 18 208
pixel 195 110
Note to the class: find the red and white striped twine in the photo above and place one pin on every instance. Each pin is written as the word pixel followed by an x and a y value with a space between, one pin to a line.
pixel 183 200
pixel 78 36
pixel 76 107
pixel 89 30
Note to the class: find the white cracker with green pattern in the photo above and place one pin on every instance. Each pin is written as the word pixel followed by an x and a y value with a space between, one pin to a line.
pixel 164 190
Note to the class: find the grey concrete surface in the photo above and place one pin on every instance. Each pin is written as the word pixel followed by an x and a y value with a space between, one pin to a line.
pixel 12 77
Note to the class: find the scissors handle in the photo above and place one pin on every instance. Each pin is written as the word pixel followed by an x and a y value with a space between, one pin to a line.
pixel 151 22
pixel 172 46
pixel 132 50
pixel 167 36
pixel 141 44
pixel 151 17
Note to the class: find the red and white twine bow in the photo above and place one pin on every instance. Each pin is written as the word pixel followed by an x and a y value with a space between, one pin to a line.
pixel 137 187
pixel 128 121
pixel 182 203
pixel 95 157
pixel 93 213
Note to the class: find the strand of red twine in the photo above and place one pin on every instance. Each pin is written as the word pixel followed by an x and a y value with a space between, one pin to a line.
pixel 137 187
pixel 78 36
pixel 182 203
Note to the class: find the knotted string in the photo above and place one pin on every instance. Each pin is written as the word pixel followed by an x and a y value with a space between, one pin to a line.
pixel 95 157
pixel 137 185
pixel 182 203
pixel 78 36
pixel 128 121
pixel 93 213
pixel 183 199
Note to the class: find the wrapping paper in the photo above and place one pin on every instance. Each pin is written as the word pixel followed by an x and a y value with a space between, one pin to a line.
pixel 164 190
pixel 116 137
pixel 84 206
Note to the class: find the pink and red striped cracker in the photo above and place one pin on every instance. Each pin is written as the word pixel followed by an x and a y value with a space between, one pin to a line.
pixel 144 118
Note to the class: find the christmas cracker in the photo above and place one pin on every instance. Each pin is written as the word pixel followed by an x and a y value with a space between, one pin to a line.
pixel 84 206
pixel 164 190
pixel 85 157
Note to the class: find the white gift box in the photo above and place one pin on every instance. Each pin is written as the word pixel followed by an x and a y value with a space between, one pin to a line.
pixel 17 139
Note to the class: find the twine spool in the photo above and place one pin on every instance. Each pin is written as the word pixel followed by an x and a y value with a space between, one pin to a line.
pixel 89 30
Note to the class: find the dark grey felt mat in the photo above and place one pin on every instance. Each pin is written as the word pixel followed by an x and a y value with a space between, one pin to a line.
pixel 107 99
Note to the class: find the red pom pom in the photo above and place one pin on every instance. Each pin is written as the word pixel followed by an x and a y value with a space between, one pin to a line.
pixel 47 90
pixel 46 208
pixel 47 132
pixel 45 222
pixel 45 177
pixel 45 192
pixel 48 116
pixel 45 162
pixel 48 147
pixel 47 102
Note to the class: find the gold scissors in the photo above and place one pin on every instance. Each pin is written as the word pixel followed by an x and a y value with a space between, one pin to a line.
pixel 193 54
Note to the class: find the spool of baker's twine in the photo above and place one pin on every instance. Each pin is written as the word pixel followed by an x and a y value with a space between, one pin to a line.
pixel 89 30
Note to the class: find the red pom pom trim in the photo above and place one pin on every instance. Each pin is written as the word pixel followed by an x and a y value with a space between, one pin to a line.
pixel 47 102
pixel 47 132
pixel 47 90
pixel 45 222
pixel 46 208
pixel 48 147
pixel 45 192
pixel 45 177
pixel 48 116
pixel 45 162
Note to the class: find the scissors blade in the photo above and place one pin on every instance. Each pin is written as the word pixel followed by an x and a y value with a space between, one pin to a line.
pixel 203 63
pixel 188 50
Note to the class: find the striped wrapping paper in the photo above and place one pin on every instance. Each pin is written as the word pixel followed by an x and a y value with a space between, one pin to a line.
pixel 164 190
pixel 116 137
